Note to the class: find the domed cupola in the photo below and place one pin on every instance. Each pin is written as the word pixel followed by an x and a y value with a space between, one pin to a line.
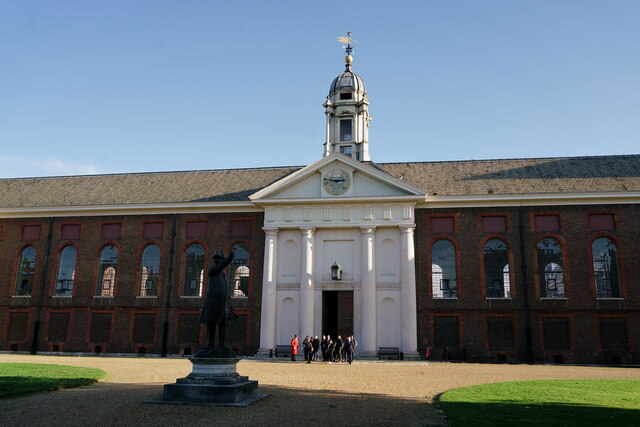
pixel 347 81
pixel 347 112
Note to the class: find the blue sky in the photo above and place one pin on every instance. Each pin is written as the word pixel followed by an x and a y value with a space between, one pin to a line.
pixel 138 86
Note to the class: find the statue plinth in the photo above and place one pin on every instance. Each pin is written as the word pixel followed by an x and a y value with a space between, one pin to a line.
pixel 212 381
pixel 213 368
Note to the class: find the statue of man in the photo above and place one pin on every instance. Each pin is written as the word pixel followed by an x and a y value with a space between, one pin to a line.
pixel 215 307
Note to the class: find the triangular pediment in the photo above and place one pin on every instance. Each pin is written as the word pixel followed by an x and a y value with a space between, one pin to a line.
pixel 337 178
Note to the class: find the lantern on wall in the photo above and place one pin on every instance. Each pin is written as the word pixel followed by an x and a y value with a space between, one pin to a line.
pixel 336 271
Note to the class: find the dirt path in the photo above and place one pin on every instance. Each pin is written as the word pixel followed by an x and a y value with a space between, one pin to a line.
pixel 365 393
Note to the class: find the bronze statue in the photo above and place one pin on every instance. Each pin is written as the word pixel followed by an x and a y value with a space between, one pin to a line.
pixel 214 311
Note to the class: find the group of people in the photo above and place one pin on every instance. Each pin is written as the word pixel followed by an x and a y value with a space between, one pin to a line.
pixel 340 350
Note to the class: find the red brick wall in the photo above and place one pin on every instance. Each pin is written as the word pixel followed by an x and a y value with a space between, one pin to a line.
pixel 125 303
pixel 581 306
pixel 471 307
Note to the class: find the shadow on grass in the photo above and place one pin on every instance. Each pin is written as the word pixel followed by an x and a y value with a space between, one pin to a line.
pixel 510 414
pixel 124 404
pixel 13 386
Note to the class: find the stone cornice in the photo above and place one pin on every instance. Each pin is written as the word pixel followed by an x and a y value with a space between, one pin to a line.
pixel 545 199
pixel 342 200
pixel 150 209
pixel 430 201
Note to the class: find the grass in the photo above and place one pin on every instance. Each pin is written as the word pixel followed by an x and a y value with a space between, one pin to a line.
pixel 549 403
pixel 17 379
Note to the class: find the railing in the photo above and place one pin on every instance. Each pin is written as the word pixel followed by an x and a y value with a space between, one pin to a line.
pixel 64 288
pixel 620 357
pixel 609 357
pixel 446 354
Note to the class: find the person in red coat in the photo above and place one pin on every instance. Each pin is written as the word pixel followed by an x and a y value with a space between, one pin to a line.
pixel 294 348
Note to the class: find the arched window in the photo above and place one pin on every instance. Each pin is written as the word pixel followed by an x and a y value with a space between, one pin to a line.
pixel 239 271
pixel 550 268
pixel 107 271
pixel 66 272
pixel 26 271
pixel 149 271
pixel 193 270
pixel 606 268
pixel 443 269
pixel 496 269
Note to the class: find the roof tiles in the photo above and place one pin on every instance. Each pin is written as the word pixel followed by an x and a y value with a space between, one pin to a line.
pixel 473 177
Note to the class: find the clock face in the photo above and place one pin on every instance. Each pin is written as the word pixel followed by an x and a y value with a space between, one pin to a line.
pixel 336 181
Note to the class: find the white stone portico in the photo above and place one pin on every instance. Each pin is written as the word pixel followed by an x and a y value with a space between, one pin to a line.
pixel 367 229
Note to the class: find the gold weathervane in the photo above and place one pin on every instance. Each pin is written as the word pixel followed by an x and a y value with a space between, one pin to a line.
pixel 348 49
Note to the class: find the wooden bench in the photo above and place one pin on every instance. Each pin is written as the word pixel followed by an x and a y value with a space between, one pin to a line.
pixel 389 353
pixel 283 351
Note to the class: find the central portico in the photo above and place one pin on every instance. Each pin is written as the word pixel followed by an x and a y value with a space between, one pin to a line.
pixel 342 212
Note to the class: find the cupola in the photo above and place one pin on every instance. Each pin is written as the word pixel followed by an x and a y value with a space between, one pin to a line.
pixel 347 112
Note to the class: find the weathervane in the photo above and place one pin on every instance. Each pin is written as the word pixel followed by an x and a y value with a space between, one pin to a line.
pixel 348 49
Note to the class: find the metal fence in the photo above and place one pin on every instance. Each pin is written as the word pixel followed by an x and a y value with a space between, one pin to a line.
pixel 446 354
pixel 608 358
pixel 621 358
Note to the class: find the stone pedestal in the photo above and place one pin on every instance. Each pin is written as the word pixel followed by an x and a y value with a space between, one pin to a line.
pixel 213 381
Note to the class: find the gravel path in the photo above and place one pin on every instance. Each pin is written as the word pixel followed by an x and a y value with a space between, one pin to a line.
pixel 363 394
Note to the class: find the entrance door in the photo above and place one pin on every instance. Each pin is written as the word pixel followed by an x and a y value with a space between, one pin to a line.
pixel 337 313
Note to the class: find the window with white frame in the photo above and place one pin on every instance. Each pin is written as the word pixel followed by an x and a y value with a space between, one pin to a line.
pixel 66 272
pixel 26 271
pixel 239 272
pixel 346 131
pixel 550 271
pixel 496 269
pixel 193 270
pixel 107 271
pixel 443 269
pixel 606 268
pixel 149 271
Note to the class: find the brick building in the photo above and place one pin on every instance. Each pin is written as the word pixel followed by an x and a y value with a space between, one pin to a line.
pixel 490 260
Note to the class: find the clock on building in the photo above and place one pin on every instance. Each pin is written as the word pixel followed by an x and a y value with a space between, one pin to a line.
pixel 336 181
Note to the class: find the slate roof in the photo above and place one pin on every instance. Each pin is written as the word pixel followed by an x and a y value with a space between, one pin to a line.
pixel 523 176
pixel 473 177
pixel 225 185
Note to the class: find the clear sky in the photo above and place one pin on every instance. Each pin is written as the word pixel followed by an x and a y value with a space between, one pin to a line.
pixel 89 86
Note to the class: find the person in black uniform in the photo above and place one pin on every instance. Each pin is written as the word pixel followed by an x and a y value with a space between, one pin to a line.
pixel 214 311
pixel 348 350
pixel 337 351
pixel 324 346
pixel 307 346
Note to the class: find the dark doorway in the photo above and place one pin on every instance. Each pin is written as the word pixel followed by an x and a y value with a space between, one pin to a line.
pixel 337 313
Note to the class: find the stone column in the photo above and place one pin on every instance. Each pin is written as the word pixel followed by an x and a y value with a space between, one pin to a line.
pixel 367 343
pixel 317 307
pixel 269 297
pixel 327 143
pixel 306 283
pixel 408 306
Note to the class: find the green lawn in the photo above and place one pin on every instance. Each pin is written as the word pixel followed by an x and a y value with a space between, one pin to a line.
pixel 21 378
pixel 549 403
